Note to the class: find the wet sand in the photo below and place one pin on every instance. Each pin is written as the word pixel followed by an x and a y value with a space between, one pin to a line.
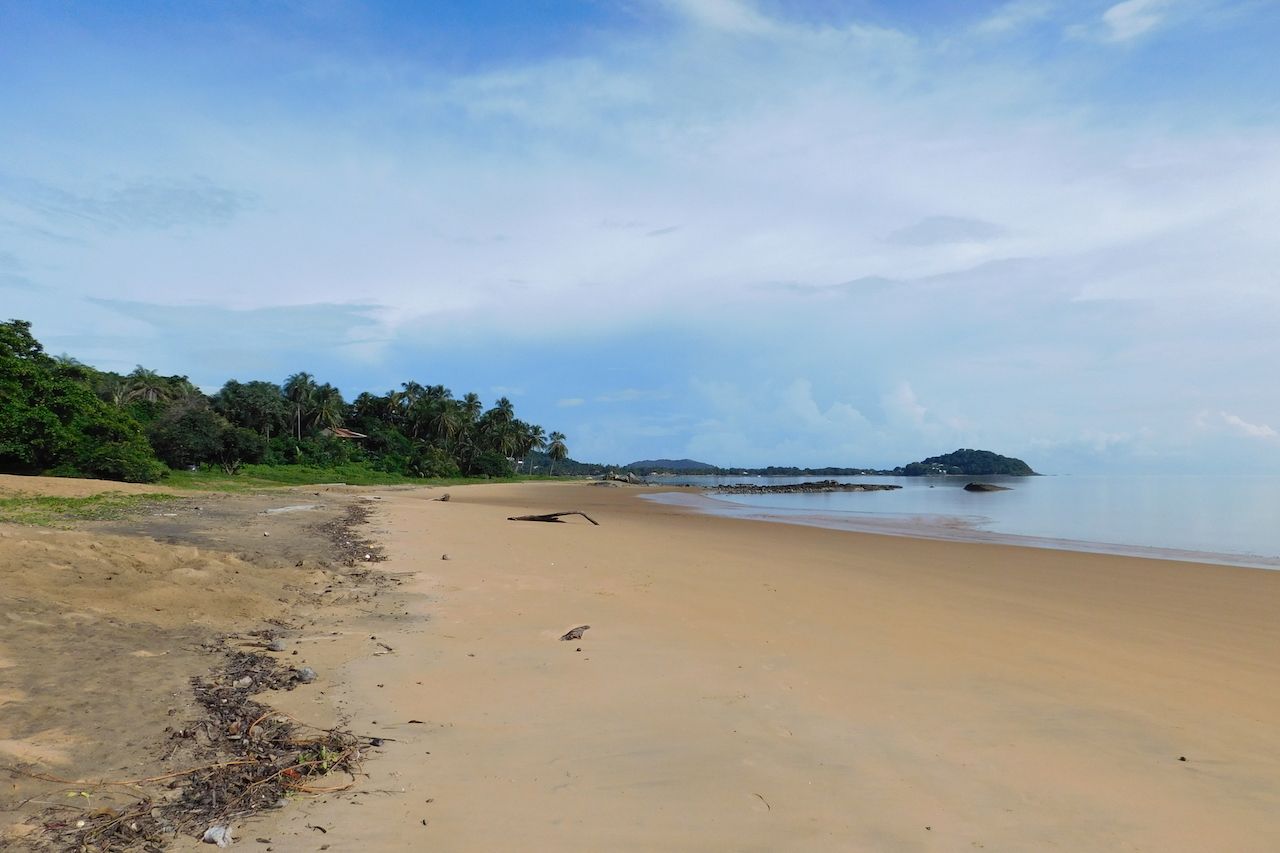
pixel 755 686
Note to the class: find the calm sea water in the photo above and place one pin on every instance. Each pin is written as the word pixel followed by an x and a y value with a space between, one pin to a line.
pixel 1217 518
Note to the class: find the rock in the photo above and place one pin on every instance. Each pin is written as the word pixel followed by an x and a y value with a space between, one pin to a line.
pixel 275 646
pixel 803 488
pixel 445 557
pixel 219 835
pixel 243 683
pixel 265 533
pixel 306 675
pixel 576 633
pixel 984 487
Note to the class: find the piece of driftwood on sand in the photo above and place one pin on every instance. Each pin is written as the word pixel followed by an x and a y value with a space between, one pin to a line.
pixel 553 517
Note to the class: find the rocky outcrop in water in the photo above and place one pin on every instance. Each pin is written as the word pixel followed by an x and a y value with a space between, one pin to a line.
pixel 802 488
pixel 984 487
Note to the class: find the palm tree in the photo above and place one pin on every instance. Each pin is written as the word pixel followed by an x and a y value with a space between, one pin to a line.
pixel 532 437
pixel 471 406
pixel 557 449
pixel 447 421
pixel 298 389
pixel 147 385
pixel 503 411
pixel 114 389
pixel 327 407
pixel 412 392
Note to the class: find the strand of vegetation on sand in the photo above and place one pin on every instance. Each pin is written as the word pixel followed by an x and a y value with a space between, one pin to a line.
pixel 50 511
pixel 61 417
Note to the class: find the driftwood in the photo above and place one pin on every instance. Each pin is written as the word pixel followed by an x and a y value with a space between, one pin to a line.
pixel 553 516
pixel 576 633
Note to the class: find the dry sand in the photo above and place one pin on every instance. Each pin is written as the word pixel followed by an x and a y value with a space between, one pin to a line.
pixel 102 627
pixel 752 686
pixel 743 687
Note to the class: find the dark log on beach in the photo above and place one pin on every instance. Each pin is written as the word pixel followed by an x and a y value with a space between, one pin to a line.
pixel 576 633
pixel 984 487
pixel 553 517
pixel 797 488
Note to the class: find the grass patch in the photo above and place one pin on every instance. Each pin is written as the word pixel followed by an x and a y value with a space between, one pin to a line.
pixel 48 511
pixel 258 477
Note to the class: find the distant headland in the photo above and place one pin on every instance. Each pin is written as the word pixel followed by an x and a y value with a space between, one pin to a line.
pixel 963 462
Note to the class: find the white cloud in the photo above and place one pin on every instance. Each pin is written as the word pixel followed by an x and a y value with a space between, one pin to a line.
pixel 1132 18
pixel 1243 427
pixel 1014 16
pixel 570 402
pixel 901 405
pixel 731 16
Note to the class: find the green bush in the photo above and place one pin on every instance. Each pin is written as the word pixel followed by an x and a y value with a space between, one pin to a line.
pixel 491 463
pixel 51 420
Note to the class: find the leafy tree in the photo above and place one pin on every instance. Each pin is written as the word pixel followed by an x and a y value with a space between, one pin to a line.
pixel 51 420
pixel 258 406
pixel 491 463
pixel 189 433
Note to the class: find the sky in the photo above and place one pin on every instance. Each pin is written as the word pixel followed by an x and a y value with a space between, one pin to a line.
pixel 749 232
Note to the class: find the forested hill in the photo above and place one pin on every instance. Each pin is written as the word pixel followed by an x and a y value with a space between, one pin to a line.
pixel 62 417
pixel 973 463
pixel 683 466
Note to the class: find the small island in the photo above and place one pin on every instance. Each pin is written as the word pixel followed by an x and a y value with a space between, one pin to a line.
pixel 970 463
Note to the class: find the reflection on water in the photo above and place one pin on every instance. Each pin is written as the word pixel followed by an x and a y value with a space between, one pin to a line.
pixel 1218 518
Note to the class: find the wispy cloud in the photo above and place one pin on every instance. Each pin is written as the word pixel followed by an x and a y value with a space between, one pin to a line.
pixel 1133 18
pixel 570 402
pixel 730 16
pixel 935 230
pixel 1243 427
pixel 140 203
pixel 1014 16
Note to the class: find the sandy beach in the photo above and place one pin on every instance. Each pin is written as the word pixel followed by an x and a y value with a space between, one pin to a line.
pixel 755 686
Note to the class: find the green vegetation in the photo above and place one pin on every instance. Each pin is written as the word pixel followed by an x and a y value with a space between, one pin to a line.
pixel 52 421
pixel 971 463
pixel 51 511
pixel 60 417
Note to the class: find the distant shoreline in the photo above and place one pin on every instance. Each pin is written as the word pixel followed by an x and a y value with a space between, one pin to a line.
pixel 942 528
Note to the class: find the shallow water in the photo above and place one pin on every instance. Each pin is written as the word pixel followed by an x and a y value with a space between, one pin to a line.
pixel 1213 518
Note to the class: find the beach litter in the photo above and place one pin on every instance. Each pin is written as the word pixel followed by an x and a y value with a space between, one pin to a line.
pixel 576 633
pixel 247 758
pixel 219 835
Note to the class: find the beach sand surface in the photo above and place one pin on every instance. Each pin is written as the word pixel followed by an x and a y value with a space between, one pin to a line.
pixel 749 686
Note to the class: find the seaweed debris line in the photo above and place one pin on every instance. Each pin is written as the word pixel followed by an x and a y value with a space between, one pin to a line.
pixel 802 488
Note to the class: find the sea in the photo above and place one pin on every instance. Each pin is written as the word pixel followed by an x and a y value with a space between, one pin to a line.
pixel 1231 520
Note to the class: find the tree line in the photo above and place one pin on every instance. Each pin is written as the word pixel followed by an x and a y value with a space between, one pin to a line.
pixel 63 417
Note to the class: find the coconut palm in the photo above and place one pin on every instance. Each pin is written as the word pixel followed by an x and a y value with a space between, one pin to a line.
pixel 471 406
pixel 447 421
pixel 531 437
pixel 298 389
pixel 327 407
pixel 556 449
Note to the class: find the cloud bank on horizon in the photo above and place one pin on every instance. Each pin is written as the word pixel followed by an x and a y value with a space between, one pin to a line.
pixel 747 232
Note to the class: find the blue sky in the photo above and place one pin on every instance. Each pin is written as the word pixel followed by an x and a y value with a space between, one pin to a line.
pixel 819 232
